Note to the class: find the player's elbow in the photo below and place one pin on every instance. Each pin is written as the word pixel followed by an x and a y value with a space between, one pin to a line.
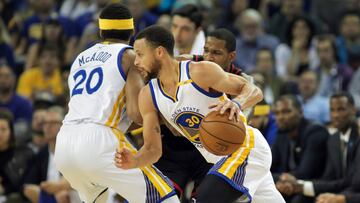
pixel 258 94
pixel 134 114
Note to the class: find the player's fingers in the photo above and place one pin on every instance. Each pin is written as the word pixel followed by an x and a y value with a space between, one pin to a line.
pixel 213 105
pixel 225 107
pixel 232 113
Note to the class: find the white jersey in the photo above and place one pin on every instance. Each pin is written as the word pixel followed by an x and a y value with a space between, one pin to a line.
pixel 186 111
pixel 97 87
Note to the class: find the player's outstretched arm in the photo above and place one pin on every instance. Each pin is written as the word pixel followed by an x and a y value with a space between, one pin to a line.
pixel 151 151
pixel 247 94
pixel 134 83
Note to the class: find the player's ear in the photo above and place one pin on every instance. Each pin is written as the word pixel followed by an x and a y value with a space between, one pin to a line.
pixel 232 56
pixel 160 51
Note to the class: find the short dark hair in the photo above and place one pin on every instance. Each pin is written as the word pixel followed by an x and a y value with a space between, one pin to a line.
pixel 294 100
pixel 289 30
pixel 227 36
pixel 116 11
pixel 191 12
pixel 158 36
pixel 347 95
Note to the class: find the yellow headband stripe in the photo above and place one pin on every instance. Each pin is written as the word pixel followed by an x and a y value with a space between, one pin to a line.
pixel 261 110
pixel 115 24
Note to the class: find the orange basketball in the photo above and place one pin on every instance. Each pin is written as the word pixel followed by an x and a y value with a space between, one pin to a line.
pixel 221 136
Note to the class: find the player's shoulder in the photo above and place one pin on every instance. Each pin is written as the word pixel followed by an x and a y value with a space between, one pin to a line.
pixel 201 68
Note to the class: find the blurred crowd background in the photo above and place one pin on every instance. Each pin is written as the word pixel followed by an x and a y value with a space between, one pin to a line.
pixel 303 54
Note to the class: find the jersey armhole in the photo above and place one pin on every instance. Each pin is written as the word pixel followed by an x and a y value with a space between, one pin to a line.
pixel 152 92
pixel 119 60
pixel 209 94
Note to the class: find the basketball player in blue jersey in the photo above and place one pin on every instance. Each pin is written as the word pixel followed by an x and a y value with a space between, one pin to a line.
pixel 182 94
pixel 104 86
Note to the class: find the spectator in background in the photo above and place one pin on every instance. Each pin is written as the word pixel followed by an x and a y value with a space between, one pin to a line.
pixel 334 77
pixel 75 8
pixel 6 53
pixel 315 107
pixel 264 120
pixel 88 28
pixel 329 12
pixel 37 134
pixel 43 179
pixel 186 29
pixel 297 54
pixel 290 9
pixel 90 17
pixel 300 146
pixel 341 155
pixel 19 106
pixel 273 85
pixel 349 40
pixel 52 34
pixel 46 77
pixel 142 17
pixel 165 21
pixel 14 160
pixel 32 28
pixel 251 39
pixel 233 9
pixel 354 88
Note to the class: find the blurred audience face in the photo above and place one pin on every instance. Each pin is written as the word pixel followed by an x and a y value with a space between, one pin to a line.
pixel 308 84
pixel 350 27
pixel 44 6
pixel 325 52
pixel 239 6
pixel 184 31
pixel 301 30
pixel 49 61
pixel 287 115
pixel 4 134
pixel 259 122
pixel 342 113
pixel 215 51
pixel 264 62
pixel 52 124
pixel 136 8
pixel 164 21
pixel 7 80
pixel 250 25
pixel 37 126
pixel 292 8
pixel 52 32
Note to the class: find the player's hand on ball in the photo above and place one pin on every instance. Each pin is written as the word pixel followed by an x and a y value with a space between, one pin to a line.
pixel 124 159
pixel 223 106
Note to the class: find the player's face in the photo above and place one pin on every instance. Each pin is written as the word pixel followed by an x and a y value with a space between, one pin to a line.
pixel 145 57
pixel 215 51
pixel 287 116
pixel 4 133
pixel 184 32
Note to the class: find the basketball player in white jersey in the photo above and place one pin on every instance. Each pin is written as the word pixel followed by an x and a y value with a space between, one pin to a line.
pixel 104 88
pixel 182 94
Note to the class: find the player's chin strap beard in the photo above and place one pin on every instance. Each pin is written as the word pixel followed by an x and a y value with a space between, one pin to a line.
pixel 155 69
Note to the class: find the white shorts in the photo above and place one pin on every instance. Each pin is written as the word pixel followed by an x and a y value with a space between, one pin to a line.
pixel 248 170
pixel 85 154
